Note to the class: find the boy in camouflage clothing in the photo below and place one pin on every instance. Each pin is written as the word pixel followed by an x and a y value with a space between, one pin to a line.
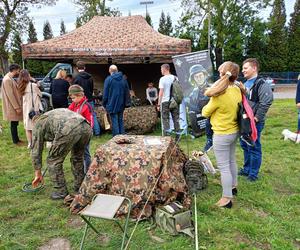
pixel 68 131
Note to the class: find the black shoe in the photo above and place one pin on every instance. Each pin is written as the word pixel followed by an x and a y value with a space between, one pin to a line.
pixel 228 205
pixel 242 173
pixel 234 191
pixel 208 146
pixel 58 195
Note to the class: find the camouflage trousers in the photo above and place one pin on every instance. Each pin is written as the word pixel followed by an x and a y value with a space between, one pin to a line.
pixel 165 114
pixel 74 142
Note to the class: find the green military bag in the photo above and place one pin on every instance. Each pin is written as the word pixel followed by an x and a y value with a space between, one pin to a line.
pixel 174 219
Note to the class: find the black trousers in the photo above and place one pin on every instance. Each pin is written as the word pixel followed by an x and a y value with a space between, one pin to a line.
pixel 14 131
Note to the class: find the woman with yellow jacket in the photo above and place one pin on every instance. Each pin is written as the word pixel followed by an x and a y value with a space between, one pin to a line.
pixel 222 109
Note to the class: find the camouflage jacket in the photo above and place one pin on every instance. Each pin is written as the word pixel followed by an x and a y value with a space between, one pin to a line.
pixel 54 126
pixel 130 168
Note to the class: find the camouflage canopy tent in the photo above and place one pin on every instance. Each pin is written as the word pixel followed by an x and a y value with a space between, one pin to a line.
pixel 129 166
pixel 129 42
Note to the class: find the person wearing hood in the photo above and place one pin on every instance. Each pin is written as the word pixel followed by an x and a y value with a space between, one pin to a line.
pixel 115 98
pixel 85 80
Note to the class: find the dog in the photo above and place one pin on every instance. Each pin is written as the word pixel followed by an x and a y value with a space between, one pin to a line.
pixel 289 135
pixel 205 161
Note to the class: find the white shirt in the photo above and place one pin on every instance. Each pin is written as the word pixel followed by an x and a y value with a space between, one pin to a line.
pixel 165 83
pixel 151 94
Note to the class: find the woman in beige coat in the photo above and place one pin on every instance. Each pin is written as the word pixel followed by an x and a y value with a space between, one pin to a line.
pixel 12 102
pixel 31 100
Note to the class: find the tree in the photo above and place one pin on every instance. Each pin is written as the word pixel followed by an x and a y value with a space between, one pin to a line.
pixel 16 48
pixel 255 46
pixel 62 28
pixel 230 22
pixel 165 24
pixel 47 31
pixel 32 35
pixel 13 16
pixel 78 22
pixel 162 23
pixel 294 39
pixel 169 25
pixel 148 19
pixel 91 8
pixel 277 50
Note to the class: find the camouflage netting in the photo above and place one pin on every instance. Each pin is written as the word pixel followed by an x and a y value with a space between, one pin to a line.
pixel 137 120
pixel 126 166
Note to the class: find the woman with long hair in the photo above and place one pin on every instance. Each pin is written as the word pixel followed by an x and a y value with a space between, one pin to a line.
pixel 31 93
pixel 59 90
pixel 222 109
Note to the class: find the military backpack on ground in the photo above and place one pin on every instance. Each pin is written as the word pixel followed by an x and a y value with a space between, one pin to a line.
pixel 195 177
pixel 174 219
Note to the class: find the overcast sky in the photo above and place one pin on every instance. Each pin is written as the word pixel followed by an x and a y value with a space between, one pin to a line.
pixel 67 11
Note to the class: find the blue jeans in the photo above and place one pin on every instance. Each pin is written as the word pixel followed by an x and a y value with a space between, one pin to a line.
pixel 253 154
pixel 117 123
pixel 96 128
pixel 208 130
pixel 87 158
pixel 298 120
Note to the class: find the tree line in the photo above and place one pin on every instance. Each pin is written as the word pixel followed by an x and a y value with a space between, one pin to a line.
pixel 236 30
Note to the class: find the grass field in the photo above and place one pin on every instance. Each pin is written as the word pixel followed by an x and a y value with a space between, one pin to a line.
pixel 266 213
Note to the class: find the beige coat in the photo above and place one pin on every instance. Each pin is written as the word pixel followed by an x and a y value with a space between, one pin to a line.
pixel 11 99
pixel 27 103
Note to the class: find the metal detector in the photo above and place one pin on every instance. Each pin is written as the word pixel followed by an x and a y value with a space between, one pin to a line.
pixel 27 187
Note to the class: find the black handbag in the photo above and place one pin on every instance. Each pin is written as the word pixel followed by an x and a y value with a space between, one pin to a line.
pixel 32 112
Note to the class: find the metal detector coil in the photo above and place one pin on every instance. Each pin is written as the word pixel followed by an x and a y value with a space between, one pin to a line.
pixel 28 188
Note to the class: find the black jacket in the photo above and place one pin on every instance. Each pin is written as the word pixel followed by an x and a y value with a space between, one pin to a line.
pixel 85 80
pixel 59 91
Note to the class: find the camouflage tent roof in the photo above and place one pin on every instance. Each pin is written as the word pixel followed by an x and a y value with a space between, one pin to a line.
pixel 123 39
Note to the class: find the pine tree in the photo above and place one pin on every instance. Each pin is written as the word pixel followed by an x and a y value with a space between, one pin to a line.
pixel 294 39
pixel 62 28
pixel 47 31
pixel 16 48
pixel 32 36
pixel 78 22
pixel 277 50
pixel 256 43
pixel 148 19
pixel 162 23
pixel 169 26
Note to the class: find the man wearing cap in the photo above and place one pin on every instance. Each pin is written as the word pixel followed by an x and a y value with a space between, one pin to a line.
pixel 68 131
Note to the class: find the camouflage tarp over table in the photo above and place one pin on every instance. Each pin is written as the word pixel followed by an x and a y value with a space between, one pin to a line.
pixel 131 169
pixel 137 120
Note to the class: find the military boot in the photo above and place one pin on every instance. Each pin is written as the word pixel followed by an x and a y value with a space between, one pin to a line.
pixel 59 194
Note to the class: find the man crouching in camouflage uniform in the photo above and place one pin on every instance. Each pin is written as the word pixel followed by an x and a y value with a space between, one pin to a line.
pixel 68 131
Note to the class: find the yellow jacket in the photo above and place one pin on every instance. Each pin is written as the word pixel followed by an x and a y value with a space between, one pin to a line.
pixel 222 111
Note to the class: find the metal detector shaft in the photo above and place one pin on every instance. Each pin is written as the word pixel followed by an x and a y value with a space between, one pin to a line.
pixel 196 222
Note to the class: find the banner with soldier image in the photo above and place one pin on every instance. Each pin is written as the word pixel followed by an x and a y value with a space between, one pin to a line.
pixel 195 72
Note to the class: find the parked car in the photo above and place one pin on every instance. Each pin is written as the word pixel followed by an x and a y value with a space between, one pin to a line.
pixel 271 81
pixel 46 82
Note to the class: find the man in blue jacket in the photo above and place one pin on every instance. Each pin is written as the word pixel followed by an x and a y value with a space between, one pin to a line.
pixel 115 98
pixel 260 98
pixel 298 102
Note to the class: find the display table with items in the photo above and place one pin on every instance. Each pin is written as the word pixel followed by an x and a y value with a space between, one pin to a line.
pixel 129 166
pixel 137 120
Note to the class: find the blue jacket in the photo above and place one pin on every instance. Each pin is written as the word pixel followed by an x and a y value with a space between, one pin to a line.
pixel 298 92
pixel 116 93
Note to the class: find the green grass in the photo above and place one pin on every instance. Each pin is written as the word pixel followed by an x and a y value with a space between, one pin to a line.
pixel 266 214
